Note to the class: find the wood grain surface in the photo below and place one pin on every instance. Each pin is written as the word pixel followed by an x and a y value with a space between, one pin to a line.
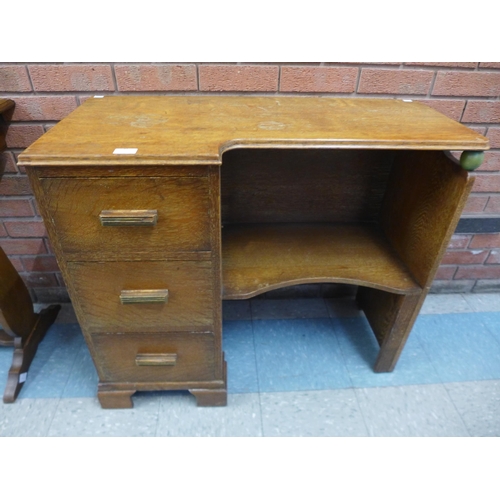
pixel 98 286
pixel 425 196
pixel 197 129
pixel 74 205
pixel 116 357
pixel 251 194
pixel 260 257
pixel 294 185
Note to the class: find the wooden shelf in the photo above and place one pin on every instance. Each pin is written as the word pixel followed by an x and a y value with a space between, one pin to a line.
pixel 260 257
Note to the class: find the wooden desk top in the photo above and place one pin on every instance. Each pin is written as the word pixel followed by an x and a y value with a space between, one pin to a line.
pixel 170 130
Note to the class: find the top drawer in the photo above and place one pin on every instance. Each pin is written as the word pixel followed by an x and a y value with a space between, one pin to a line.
pixel 182 205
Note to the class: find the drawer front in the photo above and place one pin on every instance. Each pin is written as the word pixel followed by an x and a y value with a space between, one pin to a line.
pixel 148 296
pixel 98 218
pixel 154 358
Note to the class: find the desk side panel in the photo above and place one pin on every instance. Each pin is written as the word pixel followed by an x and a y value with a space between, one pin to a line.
pixel 425 196
pixel 35 175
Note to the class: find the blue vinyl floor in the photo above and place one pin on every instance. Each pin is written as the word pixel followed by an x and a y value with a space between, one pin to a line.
pixel 296 367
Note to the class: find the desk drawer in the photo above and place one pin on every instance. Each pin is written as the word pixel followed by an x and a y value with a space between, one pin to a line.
pixel 155 358
pixel 149 296
pixel 92 215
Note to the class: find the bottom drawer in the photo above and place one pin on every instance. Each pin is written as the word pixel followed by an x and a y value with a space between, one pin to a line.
pixel 155 357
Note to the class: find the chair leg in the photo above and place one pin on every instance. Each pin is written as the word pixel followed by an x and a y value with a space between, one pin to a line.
pixel 24 352
pixel 22 327
pixel 6 340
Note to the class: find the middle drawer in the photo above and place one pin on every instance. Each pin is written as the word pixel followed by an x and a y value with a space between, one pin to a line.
pixel 101 288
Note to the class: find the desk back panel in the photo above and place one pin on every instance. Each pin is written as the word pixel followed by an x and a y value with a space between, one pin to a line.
pixel 299 185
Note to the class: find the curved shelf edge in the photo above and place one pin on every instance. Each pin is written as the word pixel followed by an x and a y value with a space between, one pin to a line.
pixel 258 258
pixel 250 293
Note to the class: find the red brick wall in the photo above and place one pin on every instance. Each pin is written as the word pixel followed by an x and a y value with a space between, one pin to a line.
pixel 45 93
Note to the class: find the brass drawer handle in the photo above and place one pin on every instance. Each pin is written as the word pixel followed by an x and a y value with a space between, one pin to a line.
pixel 143 296
pixel 167 359
pixel 128 217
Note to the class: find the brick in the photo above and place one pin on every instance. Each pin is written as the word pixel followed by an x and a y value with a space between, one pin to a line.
pixel 14 79
pixel 475 204
pixel 453 286
pixel 28 246
pixel 493 206
pixel 491 161
pixel 479 130
pixel 71 77
pixel 152 77
pixel 495 65
pixel 485 241
pixel 22 170
pixel 478 272
pixel 482 112
pixel 371 62
pixel 17 263
pixel 41 263
pixel 289 63
pixel 25 229
pixel 487 286
pixel 16 208
pixel 83 98
pixel 392 81
pixel 50 248
pixel 7 163
pixel 39 279
pixel 459 241
pixel 451 108
pixel 464 83
pixel 48 126
pixel 465 257
pixel 21 136
pixel 486 183
pixel 445 272
pixel 3 231
pixel 494 136
pixel 238 78
pixel 36 208
pixel 471 65
pixel 322 79
pixel 43 108
pixel 17 185
pixel 494 257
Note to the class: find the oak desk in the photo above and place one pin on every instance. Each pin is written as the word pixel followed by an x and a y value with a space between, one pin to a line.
pixel 160 207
